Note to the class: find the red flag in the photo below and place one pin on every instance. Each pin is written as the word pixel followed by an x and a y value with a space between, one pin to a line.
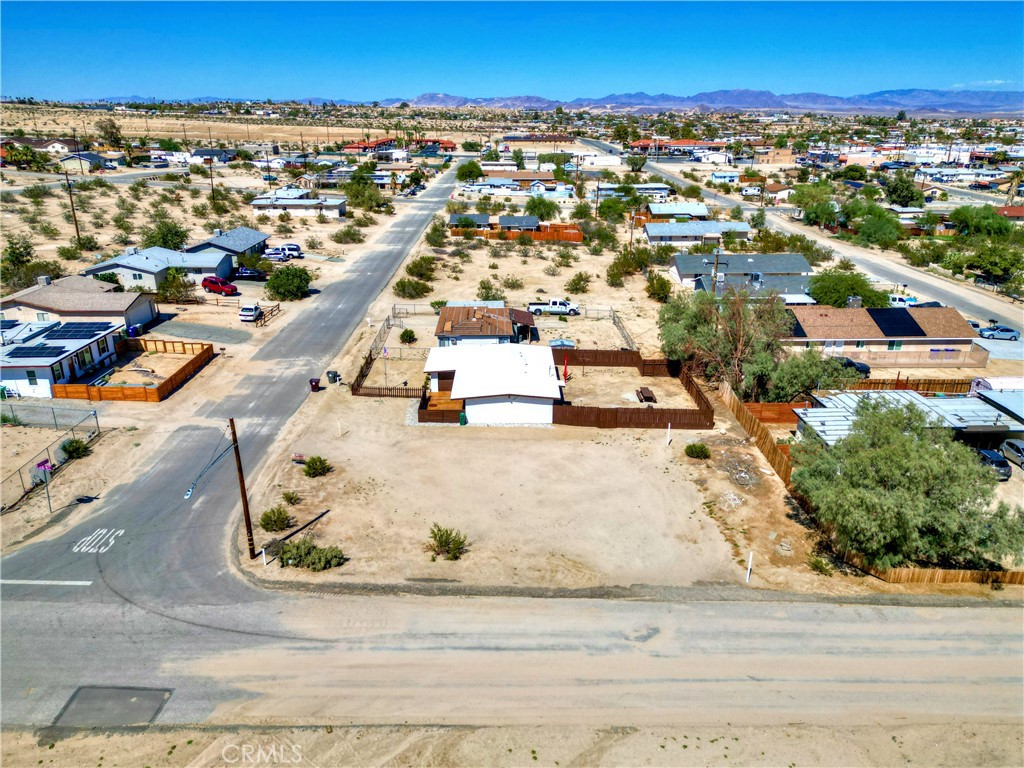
pixel 565 368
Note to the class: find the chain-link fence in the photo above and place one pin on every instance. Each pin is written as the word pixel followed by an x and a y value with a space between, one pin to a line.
pixel 42 467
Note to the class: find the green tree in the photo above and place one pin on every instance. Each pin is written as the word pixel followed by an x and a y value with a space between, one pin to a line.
pixel 176 286
pixel 169 145
pixel 736 213
pixel 542 208
pixel 899 489
pixel 582 211
pixel 800 374
pixel 469 171
pixel 758 219
pixel 832 287
pixel 289 283
pixel 901 191
pixel 164 233
pixel 720 337
pixel 854 173
pixel 519 158
pixel 472 146
pixel 110 132
pixel 980 220
pixel 658 287
pixel 635 163
pixel 18 251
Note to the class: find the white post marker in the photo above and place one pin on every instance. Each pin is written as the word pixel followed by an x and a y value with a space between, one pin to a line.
pixel 668 435
pixel 750 565
pixel 264 553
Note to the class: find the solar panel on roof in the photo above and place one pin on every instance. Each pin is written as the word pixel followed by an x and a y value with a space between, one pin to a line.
pixel 40 351
pixel 896 323
pixel 78 330
pixel 6 325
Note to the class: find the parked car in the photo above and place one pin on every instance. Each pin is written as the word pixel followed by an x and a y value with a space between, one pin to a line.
pixel 269 177
pixel 245 273
pixel 554 307
pixel 275 254
pixel 219 285
pixel 999 332
pixel 250 313
pixel 999 465
pixel 291 249
pixel 862 368
pixel 975 325
pixel 1013 450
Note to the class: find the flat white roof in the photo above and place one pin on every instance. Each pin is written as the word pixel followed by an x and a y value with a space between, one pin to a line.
pixel 487 370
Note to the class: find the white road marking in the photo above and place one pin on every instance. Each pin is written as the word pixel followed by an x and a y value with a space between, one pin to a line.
pixel 99 541
pixel 44 583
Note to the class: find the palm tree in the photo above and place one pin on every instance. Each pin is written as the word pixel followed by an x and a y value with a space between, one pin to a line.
pixel 1016 179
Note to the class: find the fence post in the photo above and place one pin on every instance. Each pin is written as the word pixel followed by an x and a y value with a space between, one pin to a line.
pixel 53 412
pixel 96 419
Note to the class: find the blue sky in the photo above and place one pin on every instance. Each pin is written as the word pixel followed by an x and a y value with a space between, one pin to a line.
pixel 366 51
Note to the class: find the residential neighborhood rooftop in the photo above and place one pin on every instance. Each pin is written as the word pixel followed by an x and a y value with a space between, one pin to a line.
pixel 238 240
pixel 822 322
pixel 496 370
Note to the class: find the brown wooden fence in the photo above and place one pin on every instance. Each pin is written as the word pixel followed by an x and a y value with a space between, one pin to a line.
pixel 631 418
pixel 764 439
pixel 544 235
pixel 776 413
pixel 200 353
pixel 408 392
pixel 933 575
pixel 437 416
pixel 924 386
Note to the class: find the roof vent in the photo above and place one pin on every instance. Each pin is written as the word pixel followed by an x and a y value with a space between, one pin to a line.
pixel 218 232
pixel 43 280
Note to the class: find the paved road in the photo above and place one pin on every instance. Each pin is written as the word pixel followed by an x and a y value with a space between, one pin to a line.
pixel 123 178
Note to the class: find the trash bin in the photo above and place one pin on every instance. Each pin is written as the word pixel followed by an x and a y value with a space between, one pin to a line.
pixel 462 419
pixel 314 385
pixel 332 377
pixel 133 331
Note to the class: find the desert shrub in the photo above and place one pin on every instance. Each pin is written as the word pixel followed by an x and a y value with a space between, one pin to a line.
pixel 88 243
pixel 75 448
pixel 698 451
pixel 314 243
pixel 47 230
pixel 551 270
pixel 659 287
pixel 407 288
pixel 488 291
pixel 407 336
pixel 305 554
pixel 511 282
pixel 438 305
pixel 349 234
pixel 447 543
pixel 316 466
pixel 68 252
pixel 284 229
pixel 291 498
pixel 289 283
pixel 275 519
pixel 421 268
pixel 578 283
pixel 14 421
pixel 819 565
pixel 37 192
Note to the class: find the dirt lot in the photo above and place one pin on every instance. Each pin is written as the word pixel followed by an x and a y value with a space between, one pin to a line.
pixel 969 743
pixel 146 368
pixel 616 388
pixel 21 445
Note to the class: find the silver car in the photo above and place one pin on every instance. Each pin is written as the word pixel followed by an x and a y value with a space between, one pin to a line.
pixel 1013 450
pixel 999 332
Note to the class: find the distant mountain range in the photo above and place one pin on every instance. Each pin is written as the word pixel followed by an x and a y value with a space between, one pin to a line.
pixel 912 100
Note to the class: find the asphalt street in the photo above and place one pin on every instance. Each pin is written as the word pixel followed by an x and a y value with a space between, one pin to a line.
pixel 29 178
pixel 142 594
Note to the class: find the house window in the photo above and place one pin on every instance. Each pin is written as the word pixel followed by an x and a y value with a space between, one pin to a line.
pixel 136 275
pixel 102 346
pixel 31 376
pixel 197 271
pixel 42 317
pixel 57 369
pixel 861 344
pixel 895 346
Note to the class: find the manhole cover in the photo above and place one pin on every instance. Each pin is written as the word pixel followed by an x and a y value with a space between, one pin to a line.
pixel 97 706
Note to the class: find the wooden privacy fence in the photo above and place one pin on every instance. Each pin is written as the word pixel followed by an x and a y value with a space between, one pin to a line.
pixel 776 413
pixel 551 235
pixel 923 386
pixel 630 418
pixel 933 575
pixel 200 353
pixel 409 392
pixel 764 439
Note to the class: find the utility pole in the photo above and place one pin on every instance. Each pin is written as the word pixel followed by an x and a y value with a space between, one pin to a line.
pixel 78 150
pixel 71 199
pixel 184 136
pixel 714 276
pixel 209 167
pixel 241 488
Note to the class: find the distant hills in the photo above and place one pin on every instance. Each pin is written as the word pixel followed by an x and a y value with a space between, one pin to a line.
pixel 912 100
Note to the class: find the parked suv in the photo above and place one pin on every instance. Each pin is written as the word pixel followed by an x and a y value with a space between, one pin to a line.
pixel 999 465
pixel 862 368
pixel 291 250
pixel 219 285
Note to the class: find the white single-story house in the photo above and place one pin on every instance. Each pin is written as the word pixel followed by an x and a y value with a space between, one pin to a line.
pixel 499 384
pixel 694 231
pixel 78 299
pixel 725 177
pixel 35 356
pixel 723 158
pixel 298 202
pixel 147 269
pixel 666 211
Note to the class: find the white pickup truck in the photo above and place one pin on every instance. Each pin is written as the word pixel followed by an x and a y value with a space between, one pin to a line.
pixel 553 307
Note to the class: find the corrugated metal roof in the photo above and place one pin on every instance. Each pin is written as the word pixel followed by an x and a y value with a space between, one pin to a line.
pixel 835 419
pixel 743 264
pixel 692 228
